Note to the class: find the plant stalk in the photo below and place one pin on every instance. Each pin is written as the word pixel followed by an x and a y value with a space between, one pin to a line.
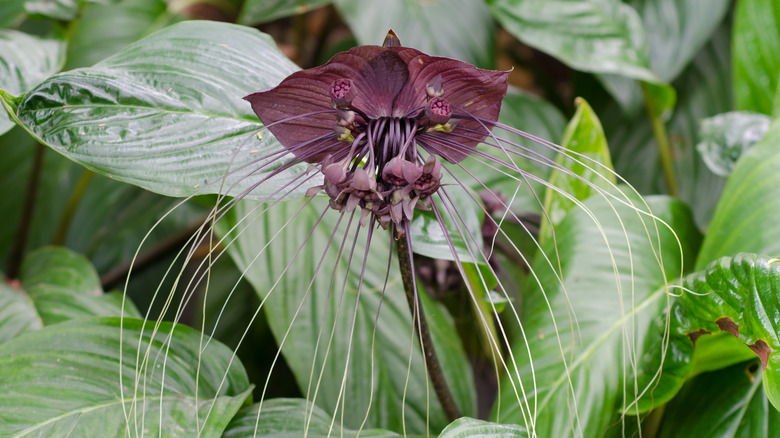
pixel 661 138
pixel 435 373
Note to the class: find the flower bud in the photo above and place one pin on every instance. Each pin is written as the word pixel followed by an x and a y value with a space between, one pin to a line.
pixel 342 92
pixel 438 111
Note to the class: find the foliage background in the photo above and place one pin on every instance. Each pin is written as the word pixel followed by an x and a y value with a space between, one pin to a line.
pixel 680 97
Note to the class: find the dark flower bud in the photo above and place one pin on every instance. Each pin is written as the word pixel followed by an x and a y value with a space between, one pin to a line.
pixel 345 117
pixel 434 88
pixel 428 183
pixel 438 111
pixel 342 92
pixel 391 40
pixel 400 172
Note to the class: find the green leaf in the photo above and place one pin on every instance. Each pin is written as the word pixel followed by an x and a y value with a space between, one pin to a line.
pixel 726 137
pixel 600 36
pixel 25 61
pixel 584 167
pixel 676 32
pixel 104 29
pixel 436 27
pixel 704 91
pixel 747 218
pixel 739 411
pixel 11 12
pixel 739 295
pixel 288 418
pixel 17 313
pixel 63 380
pixel 314 305
pixel 612 288
pixel 537 117
pixel 64 10
pixel 166 112
pixel 756 61
pixel 469 427
pixel 464 230
pixel 262 11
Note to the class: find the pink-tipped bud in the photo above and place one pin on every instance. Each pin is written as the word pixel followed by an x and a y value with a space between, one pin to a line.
pixel 342 92
pixel 438 111
pixel 434 88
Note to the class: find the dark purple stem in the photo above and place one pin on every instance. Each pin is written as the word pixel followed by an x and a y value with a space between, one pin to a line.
pixel 438 381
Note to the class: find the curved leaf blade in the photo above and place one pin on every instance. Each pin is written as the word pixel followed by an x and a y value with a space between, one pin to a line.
pixel 166 112
pixel 64 380
pixel 601 314
pixel 756 61
pixel 25 61
pixel 289 418
pixel 262 11
pixel 377 368
pixel 747 218
pixel 468 427
pixel 594 36
pixel 418 25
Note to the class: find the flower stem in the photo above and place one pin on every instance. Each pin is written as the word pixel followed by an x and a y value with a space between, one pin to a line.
pixel 664 149
pixel 434 367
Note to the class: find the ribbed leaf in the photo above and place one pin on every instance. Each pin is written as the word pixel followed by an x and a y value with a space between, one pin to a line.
pixel 292 418
pixel 435 27
pixel 583 359
pixel 756 42
pixel 166 112
pixel 469 427
pixel 376 377
pixel 64 380
pixel 747 218
pixel 25 61
pixel 262 11
pixel 739 295
pixel 104 29
pixel 17 313
pixel 602 36
pixel 587 167
pixel 740 411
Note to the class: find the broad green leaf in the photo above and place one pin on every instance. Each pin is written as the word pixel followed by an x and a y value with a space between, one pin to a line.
pixel 436 27
pixel 704 91
pixel 469 427
pixel 57 285
pixel 756 61
pixel 462 215
pixel 104 29
pixel 739 295
pixel 583 344
pixel 583 168
pixel 64 10
pixel 17 313
pixel 747 218
pixel 11 12
pixel 64 380
pixel 726 137
pixel 262 11
pixel 314 305
pixel 600 36
pixel 166 112
pixel 291 418
pixel 704 408
pixel 25 61
pixel 530 114
pixel 676 31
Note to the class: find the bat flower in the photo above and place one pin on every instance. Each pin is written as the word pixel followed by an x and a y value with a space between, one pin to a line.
pixel 377 121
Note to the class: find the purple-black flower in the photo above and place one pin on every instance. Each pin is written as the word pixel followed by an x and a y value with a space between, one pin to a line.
pixel 366 115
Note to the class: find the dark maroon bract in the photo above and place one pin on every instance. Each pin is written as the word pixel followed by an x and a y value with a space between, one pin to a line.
pixel 364 115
